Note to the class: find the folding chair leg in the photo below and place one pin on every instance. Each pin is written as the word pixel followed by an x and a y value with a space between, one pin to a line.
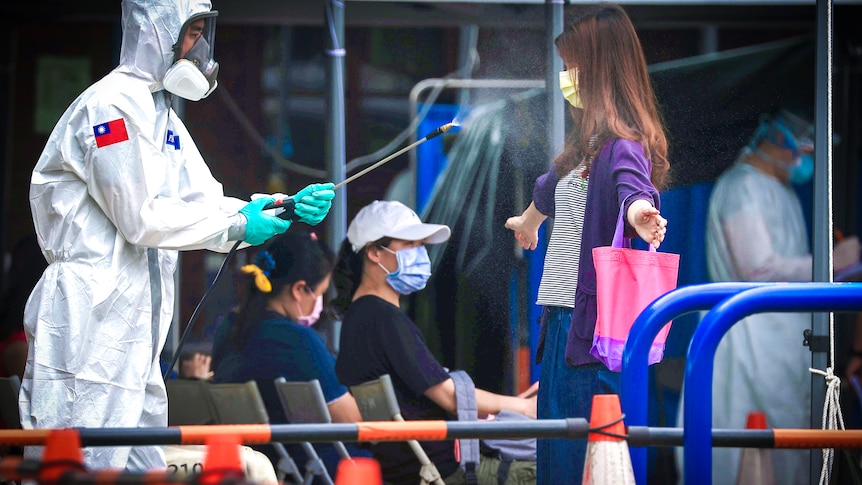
pixel 315 465
pixel 342 450
pixel 428 473
pixel 286 466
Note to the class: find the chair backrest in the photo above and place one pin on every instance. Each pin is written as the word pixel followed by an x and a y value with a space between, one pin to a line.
pixel 190 403
pixel 376 400
pixel 303 402
pixel 9 388
pixel 239 403
pixel 193 402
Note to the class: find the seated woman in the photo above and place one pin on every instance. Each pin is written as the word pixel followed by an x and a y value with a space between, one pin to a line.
pixel 383 258
pixel 271 335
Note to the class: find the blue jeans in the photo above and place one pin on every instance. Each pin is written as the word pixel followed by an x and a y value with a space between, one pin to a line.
pixel 566 392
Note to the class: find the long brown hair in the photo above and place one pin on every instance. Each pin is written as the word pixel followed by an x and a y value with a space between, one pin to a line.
pixel 615 90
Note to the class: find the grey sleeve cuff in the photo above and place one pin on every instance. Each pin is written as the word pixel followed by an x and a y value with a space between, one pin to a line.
pixel 236 231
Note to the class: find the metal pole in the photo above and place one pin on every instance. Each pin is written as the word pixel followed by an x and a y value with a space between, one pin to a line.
pixel 556 121
pixel 336 138
pixel 466 58
pixel 822 237
pixel 370 431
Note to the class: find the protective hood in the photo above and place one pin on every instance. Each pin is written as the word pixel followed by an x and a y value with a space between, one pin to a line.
pixel 150 30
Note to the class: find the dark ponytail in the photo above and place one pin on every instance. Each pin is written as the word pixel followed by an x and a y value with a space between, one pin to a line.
pixel 346 277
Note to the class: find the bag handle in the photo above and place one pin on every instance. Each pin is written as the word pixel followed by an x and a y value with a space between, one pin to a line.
pixel 620 241
pixel 465 398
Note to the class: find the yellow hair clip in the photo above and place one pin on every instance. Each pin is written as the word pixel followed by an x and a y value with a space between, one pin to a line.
pixel 260 280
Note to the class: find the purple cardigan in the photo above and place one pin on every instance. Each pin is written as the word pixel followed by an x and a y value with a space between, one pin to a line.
pixel 619 175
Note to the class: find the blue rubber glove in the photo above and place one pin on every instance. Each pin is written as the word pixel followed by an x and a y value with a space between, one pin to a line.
pixel 261 226
pixel 313 203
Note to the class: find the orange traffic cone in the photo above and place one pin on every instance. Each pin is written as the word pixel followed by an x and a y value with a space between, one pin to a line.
pixel 222 460
pixel 755 464
pixel 608 460
pixel 358 471
pixel 62 454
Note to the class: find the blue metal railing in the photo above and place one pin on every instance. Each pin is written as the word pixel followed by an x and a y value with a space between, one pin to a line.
pixel 634 393
pixel 697 392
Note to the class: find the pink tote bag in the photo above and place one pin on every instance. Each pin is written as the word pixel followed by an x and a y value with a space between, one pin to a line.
pixel 627 280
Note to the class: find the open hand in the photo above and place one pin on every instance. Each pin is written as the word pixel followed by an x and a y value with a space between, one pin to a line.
pixel 527 238
pixel 648 222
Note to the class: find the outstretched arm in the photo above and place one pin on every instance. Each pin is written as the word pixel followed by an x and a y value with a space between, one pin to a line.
pixel 486 402
pixel 526 226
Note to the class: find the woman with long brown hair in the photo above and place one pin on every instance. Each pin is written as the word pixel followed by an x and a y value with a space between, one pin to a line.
pixel 615 159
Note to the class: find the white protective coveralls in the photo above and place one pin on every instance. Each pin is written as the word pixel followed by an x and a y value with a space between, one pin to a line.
pixel 756 232
pixel 110 220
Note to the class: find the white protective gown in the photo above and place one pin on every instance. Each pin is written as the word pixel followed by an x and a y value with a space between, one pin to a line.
pixel 110 221
pixel 756 232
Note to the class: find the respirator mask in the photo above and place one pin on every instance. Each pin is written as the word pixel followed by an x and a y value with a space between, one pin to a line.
pixel 193 75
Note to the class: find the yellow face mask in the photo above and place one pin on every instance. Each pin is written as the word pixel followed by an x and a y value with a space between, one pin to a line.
pixel 569 87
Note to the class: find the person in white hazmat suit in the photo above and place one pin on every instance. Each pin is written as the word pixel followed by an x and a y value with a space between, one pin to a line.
pixel 119 188
pixel 756 232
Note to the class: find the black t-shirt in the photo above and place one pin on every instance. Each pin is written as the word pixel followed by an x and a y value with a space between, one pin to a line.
pixel 378 338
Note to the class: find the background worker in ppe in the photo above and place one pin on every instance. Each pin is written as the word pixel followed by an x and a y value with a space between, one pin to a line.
pixel 119 188
pixel 756 232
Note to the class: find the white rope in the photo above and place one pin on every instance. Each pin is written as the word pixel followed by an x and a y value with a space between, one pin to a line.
pixel 832 417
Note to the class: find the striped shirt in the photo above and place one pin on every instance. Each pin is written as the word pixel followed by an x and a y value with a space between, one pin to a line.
pixel 560 273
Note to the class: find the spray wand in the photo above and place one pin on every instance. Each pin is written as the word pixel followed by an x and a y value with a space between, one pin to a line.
pixel 288 204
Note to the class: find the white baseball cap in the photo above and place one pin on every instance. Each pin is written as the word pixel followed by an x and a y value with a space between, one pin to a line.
pixel 390 218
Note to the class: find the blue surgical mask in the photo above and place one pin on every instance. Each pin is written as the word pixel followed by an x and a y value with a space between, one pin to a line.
pixel 802 169
pixel 414 269
pixel 799 172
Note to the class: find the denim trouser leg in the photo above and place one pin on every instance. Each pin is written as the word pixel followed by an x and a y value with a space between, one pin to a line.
pixel 566 392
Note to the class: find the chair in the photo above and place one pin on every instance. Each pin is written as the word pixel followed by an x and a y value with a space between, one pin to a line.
pixel 9 388
pixel 303 402
pixel 238 403
pixel 190 403
pixel 242 404
pixel 377 402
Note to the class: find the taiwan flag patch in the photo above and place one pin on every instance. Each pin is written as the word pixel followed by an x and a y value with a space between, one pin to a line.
pixel 173 140
pixel 110 132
